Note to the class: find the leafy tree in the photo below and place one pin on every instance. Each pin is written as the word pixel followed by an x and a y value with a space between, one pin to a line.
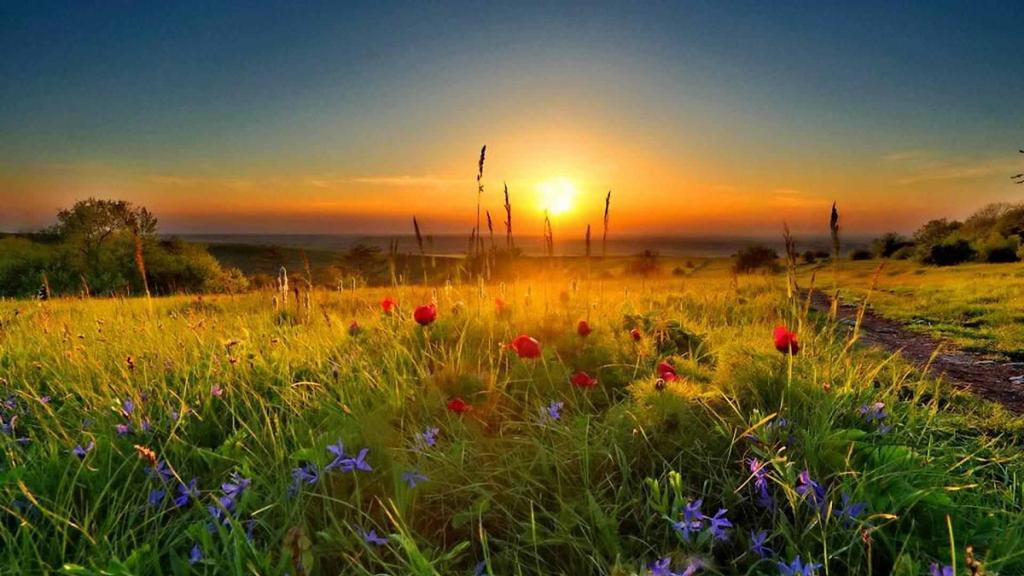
pixel 887 244
pixel 90 224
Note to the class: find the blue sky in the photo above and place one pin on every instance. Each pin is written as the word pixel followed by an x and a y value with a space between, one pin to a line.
pixel 223 115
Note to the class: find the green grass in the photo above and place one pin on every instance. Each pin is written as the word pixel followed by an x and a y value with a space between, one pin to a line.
pixel 974 305
pixel 593 493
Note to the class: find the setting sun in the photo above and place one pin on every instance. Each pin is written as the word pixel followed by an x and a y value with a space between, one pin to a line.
pixel 556 195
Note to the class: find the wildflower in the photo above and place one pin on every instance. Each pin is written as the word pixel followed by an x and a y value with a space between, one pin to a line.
pixel 354 329
pixel 757 545
pixel 458 405
pixel 525 346
pixel 216 391
pixel 145 426
pixel 554 410
pixel 371 537
pixel 387 305
pixel 810 489
pixel 44 400
pixel 357 463
pixel 81 451
pixel 874 412
pixel 236 485
pixel 161 470
pixel 583 328
pixel 195 555
pixel 693 520
pixel 8 426
pixel 583 380
pixel 481 569
pixel 635 334
pixel 662 567
pixel 798 568
pixel 307 474
pixel 123 429
pixel 760 482
pixel 128 407
pixel 719 524
pixel 425 315
pixel 412 478
pixel 849 512
pixel 156 497
pixel 500 307
pixel 185 493
pixel 785 341
pixel 666 372
pixel 338 450
pixel 936 570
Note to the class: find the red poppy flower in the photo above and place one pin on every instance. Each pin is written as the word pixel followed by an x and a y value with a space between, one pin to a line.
pixel 785 341
pixel 499 305
pixel 583 380
pixel 425 315
pixel 459 406
pixel 525 346
pixel 636 334
pixel 666 372
pixel 583 328
pixel 387 305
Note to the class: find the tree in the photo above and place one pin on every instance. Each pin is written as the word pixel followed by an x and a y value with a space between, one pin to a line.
pixel 887 244
pixel 90 223
pixel 933 233
pixel 751 258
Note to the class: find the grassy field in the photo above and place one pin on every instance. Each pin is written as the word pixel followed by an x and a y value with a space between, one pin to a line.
pixel 977 306
pixel 233 435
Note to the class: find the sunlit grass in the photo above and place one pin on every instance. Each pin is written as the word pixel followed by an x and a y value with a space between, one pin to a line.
pixel 594 492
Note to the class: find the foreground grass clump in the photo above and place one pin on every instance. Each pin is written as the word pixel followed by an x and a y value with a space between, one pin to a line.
pixel 222 436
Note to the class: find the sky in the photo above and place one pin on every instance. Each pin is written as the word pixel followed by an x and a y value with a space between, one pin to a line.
pixel 702 118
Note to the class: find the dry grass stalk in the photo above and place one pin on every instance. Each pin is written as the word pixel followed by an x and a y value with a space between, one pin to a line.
pixel 509 241
pixel 604 238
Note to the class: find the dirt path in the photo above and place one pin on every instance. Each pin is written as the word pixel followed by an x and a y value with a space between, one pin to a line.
pixel 1001 382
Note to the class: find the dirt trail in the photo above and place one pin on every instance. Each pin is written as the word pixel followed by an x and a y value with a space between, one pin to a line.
pixel 1001 382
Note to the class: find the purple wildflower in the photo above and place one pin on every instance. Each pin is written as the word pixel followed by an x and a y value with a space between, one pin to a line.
pixel 873 412
pixel 123 429
pixel 195 555
pixel 936 570
pixel 849 512
pixel 429 436
pixel 757 468
pixel 162 471
pixel 185 493
pixel 719 525
pixel 693 520
pixel 371 537
pixel 81 451
pixel 757 545
pixel 663 567
pixel 811 490
pixel 216 391
pixel 156 497
pixel 306 474
pixel 798 568
pixel 412 478
pixel 357 463
pixel 481 569
pixel 44 400
pixel 338 450
pixel 128 407
pixel 8 426
pixel 145 426
pixel 554 410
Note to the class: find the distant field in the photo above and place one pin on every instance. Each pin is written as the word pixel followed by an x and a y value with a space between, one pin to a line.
pixel 977 306
pixel 114 408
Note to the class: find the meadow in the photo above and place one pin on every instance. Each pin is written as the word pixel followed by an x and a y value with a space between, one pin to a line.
pixel 362 432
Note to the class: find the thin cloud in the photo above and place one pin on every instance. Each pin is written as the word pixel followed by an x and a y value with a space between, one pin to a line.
pixel 963 171
pixel 429 181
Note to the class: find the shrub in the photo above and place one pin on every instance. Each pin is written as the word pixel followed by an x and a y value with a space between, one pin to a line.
pixel 861 254
pixel 951 252
pixel 904 253
pixel 809 257
pixel 998 248
pixel 887 244
pixel 752 258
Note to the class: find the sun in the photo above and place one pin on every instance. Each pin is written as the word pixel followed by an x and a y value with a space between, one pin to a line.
pixel 556 195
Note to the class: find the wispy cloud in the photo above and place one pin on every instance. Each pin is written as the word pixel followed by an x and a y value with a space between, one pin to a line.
pixel 906 155
pixel 958 170
pixel 429 181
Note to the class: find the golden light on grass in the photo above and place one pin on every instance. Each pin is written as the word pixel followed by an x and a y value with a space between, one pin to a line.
pixel 556 195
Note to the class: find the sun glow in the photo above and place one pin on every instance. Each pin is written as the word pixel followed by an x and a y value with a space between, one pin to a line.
pixel 556 195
